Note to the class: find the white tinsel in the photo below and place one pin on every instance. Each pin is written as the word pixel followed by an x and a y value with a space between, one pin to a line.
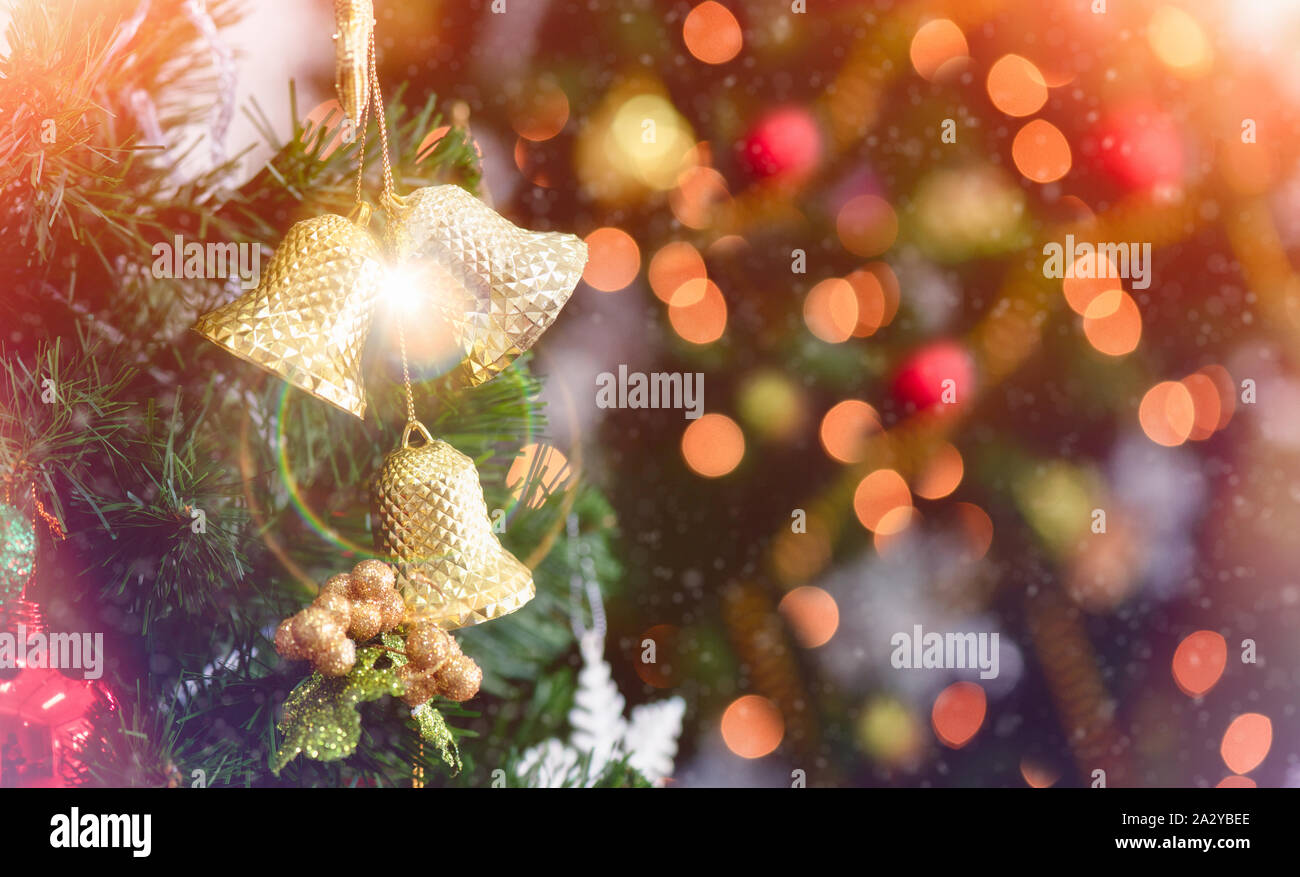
pixel 648 738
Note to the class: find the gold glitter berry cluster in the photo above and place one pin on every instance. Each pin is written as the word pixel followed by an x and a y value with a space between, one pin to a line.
pixel 356 607
pixel 350 608
pixel 436 665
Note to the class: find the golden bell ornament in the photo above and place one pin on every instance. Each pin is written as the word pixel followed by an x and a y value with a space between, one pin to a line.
pixel 308 319
pixel 355 22
pixel 431 519
pixel 498 286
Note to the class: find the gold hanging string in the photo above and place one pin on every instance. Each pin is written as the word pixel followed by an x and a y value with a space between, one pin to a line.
pixel 363 126
pixel 381 118
pixel 406 374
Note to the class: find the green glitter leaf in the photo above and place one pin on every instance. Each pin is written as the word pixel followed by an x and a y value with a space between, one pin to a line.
pixel 434 729
pixel 320 714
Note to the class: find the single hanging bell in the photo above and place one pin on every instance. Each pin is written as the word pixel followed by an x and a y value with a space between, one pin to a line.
pixel 498 286
pixel 431 520
pixel 308 319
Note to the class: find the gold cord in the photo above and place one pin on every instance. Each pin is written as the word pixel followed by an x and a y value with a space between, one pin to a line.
pixel 406 374
pixel 381 118
pixel 363 125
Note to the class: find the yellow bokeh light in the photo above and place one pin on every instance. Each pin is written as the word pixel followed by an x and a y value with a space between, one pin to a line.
pixel 889 733
pixel 635 142
pixel 1179 42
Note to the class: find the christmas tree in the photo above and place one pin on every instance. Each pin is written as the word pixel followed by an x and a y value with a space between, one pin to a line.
pixel 905 328
pixel 192 500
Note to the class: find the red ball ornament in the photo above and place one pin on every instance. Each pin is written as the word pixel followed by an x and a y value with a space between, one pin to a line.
pixel 46 708
pixel 1139 147
pixel 940 373
pixel 784 146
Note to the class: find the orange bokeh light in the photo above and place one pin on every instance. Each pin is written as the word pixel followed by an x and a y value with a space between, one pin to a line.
pixel 613 259
pixel 656 656
pixel 958 713
pixel 872 303
pixel 672 266
pixel 752 726
pixel 1080 292
pixel 1038 775
pixel 324 124
pixel 1235 782
pixel 976 527
pixel 892 531
pixel 540 112
pixel 699 192
pixel 879 494
pixel 712 34
pixel 1112 323
pixel 831 310
pixel 1167 413
pixel 941 474
pixel 1041 152
pixel 1205 402
pixel 1016 86
pixel 867 225
pixel 812 614
pixel 1199 661
pixel 538 472
pixel 1246 742
pixel 935 44
pixel 698 311
pixel 797 557
pixel 713 445
pixel 845 429
pixel 888 285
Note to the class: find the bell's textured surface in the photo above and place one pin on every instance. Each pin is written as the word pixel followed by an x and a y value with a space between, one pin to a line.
pixel 355 22
pixel 308 319
pixel 432 520
pixel 498 286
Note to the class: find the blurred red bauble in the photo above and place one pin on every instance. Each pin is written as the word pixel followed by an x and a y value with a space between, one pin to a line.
pixel 940 372
pixel 784 146
pixel 1139 147
pixel 45 713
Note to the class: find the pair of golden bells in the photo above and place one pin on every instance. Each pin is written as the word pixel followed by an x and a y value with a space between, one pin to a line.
pixel 498 287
